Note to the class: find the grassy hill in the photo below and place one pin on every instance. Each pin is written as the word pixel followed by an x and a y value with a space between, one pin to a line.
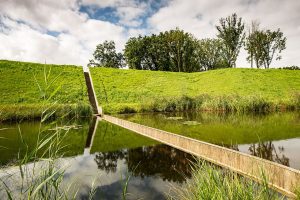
pixel 26 87
pixel 223 89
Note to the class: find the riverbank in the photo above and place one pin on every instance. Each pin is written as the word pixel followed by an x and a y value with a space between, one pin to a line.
pixel 17 112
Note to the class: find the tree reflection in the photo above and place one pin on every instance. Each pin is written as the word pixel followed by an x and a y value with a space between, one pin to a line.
pixel 167 162
pixel 268 151
pixel 161 160
pixel 108 161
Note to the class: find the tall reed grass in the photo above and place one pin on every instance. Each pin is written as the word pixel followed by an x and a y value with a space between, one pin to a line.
pixel 211 182
pixel 234 104
pixel 34 111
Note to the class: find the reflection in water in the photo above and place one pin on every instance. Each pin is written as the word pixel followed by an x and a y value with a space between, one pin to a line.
pixel 265 150
pixel 252 134
pixel 169 163
pixel 117 151
pixel 108 161
pixel 268 151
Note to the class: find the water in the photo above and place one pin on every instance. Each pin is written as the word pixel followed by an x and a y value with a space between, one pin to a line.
pixel 275 137
pixel 111 154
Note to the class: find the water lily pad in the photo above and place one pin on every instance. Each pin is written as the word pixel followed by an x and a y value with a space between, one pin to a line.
pixel 175 118
pixel 191 123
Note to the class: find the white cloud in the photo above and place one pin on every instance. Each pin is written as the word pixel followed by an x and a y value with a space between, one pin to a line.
pixel 128 11
pixel 21 42
pixel 25 25
pixel 28 40
pixel 200 17
pixel 130 15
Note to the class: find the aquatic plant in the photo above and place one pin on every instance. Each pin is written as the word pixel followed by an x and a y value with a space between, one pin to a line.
pixel 211 182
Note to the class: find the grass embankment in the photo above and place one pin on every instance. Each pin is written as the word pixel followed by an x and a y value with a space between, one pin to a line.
pixel 123 91
pixel 27 87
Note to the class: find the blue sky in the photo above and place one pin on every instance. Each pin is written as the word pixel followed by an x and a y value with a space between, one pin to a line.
pixel 67 31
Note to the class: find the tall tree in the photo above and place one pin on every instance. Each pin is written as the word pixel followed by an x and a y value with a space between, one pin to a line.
pixel 172 50
pixel 182 50
pixel 231 31
pixel 273 43
pixel 254 47
pixel 254 27
pixel 105 55
pixel 210 53
pixel 264 46
pixel 134 52
pixel 147 53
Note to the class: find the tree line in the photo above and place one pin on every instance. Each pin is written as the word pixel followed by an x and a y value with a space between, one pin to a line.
pixel 179 51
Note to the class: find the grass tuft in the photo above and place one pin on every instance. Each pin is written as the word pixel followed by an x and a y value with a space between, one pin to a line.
pixel 211 182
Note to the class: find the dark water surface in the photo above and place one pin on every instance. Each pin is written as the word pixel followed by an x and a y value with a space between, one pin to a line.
pixel 112 154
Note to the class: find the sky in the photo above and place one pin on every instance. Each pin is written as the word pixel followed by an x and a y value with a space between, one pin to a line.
pixel 67 31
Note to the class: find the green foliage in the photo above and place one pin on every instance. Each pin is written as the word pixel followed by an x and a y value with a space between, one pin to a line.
pixel 293 67
pixel 172 50
pixel 262 46
pixel 182 51
pixel 231 31
pixel 211 182
pixel 39 176
pixel 105 55
pixel 223 89
pixel 134 52
pixel 210 54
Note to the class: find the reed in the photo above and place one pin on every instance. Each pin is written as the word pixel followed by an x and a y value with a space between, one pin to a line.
pixel 205 102
pixel 211 182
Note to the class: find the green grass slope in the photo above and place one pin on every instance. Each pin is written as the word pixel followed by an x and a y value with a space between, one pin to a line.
pixel 24 85
pixel 229 89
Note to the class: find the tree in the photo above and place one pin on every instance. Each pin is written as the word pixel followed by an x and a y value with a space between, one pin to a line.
pixel 264 46
pixel 182 50
pixel 134 52
pixel 172 50
pixel 210 53
pixel 147 53
pixel 249 45
pixel 273 43
pixel 254 47
pixel 231 31
pixel 105 55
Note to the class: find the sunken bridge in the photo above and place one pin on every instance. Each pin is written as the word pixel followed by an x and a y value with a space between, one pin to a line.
pixel 281 178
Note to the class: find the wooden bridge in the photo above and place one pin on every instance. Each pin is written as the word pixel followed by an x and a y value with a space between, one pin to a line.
pixel 281 178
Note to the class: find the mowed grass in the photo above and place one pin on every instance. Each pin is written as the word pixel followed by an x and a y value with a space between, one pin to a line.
pixel 23 88
pixel 134 90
